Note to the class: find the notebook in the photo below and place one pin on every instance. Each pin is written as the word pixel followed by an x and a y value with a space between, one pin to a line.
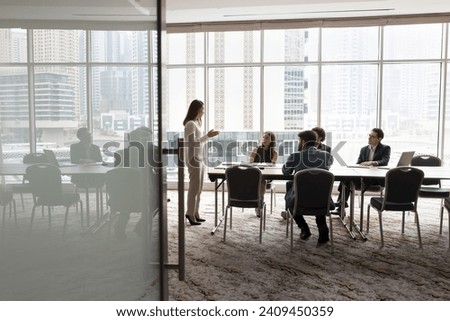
pixel 51 159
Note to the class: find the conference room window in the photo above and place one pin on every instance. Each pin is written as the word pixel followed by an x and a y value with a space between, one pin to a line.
pixel 350 44
pixel 120 89
pixel 292 45
pixel 290 103
pixel 119 46
pixel 446 145
pixel 14 106
pixel 234 99
pixel 120 102
pixel 60 107
pixel 14 114
pixel 234 47
pixel 186 48
pixel 59 46
pixel 410 115
pixel 348 106
pixel 412 42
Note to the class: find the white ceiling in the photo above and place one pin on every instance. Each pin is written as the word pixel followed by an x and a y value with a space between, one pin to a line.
pixel 184 11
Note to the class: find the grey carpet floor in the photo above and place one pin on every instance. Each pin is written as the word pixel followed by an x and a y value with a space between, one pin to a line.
pixel 242 269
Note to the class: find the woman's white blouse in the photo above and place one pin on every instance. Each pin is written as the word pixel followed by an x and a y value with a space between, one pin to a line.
pixel 193 135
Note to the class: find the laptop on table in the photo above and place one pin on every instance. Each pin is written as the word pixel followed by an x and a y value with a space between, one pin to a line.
pixel 405 159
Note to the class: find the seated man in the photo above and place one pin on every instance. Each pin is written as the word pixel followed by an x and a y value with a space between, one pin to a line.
pixel 141 154
pixel 85 152
pixel 308 157
pixel 374 154
pixel 321 136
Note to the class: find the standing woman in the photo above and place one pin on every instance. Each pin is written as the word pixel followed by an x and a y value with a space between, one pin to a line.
pixel 195 139
pixel 266 153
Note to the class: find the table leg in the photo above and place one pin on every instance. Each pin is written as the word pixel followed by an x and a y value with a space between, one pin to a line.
pixel 216 221
pixel 352 212
pixel 348 227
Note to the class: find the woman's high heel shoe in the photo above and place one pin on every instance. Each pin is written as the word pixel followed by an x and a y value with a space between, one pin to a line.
pixel 199 219
pixel 191 221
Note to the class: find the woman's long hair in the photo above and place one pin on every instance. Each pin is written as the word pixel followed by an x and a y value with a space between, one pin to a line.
pixel 193 109
pixel 272 144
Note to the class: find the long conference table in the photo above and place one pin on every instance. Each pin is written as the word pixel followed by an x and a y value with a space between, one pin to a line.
pixel 341 173
pixel 19 169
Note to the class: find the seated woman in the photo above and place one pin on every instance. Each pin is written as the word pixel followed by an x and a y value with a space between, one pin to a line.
pixel 265 153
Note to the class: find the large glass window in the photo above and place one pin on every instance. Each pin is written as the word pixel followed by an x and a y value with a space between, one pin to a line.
pixel 59 45
pixel 349 106
pixel 236 46
pixel 13 45
pixel 14 105
pixel 234 98
pixel 186 48
pixel 14 114
pixel 411 107
pixel 346 44
pixel 446 155
pixel 293 45
pixel 60 108
pixel 290 104
pixel 119 46
pixel 413 41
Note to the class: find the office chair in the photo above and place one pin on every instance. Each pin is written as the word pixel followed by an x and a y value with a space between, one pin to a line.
pixel 243 183
pixel 24 187
pixel 47 190
pixel 6 198
pixel 431 188
pixel 312 188
pixel 124 188
pixel 401 194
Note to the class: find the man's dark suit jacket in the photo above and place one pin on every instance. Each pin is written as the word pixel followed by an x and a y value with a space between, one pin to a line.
pixel 78 152
pixel 381 156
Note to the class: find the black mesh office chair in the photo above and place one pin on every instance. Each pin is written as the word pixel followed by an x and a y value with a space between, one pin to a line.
pixel 431 188
pixel 244 191
pixel 47 189
pixel 124 188
pixel 401 194
pixel 312 188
